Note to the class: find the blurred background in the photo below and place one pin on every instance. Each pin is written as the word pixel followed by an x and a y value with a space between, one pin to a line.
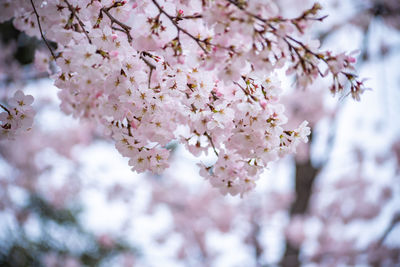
pixel 68 198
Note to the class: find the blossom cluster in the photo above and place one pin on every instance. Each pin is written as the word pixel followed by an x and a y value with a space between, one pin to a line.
pixel 17 118
pixel 201 72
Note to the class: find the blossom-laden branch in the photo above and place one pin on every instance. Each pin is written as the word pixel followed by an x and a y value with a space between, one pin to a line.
pixel 304 57
pixel 125 29
pixel 207 68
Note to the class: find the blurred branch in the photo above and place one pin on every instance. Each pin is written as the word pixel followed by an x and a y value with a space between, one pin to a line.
pixel 305 176
pixel 254 239
pixel 393 223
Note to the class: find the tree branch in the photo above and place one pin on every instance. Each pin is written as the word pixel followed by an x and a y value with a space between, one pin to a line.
pixel 125 28
pixel 179 28
pixel 41 31
pixel 304 181
pixel 6 109
pixel 393 223
pixel 212 143
pixel 148 63
pixel 81 24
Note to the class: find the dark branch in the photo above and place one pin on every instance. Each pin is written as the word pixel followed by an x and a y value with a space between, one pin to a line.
pixel 41 31
pixel 212 143
pixel 81 24
pixel 6 109
pixel 148 63
pixel 179 28
pixel 125 28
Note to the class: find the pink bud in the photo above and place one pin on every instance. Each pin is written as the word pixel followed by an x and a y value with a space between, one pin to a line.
pixel 180 12
pixel 114 53
pixel 218 93
pixel 351 59
pixel 181 60
pixel 134 5
pixel 114 36
pixel 263 104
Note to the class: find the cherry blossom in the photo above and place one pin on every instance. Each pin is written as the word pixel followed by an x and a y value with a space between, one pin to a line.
pixel 232 82
pixel 144 70
pixel 17 118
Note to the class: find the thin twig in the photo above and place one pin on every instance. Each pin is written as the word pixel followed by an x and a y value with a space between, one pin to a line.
pixel 125 27
pixel 355 85
pixel 117 29
pixel 41 32
pixel 197 40
pixel 198 16
pixel 246 92
pixel 6 109
pixel 247 12
pixel 151 66
pixel 129 128
pixel 81 24
pixel 212 143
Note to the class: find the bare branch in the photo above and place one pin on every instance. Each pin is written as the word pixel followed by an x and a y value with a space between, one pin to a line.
pixel 212 143
pixel 41 31
pixel 6 109
pixel 149 64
